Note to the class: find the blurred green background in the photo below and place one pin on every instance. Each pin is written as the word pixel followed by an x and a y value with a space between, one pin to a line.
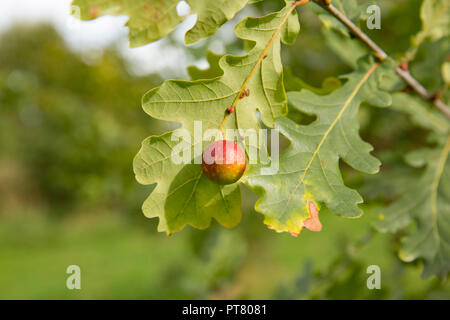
pixel 69 129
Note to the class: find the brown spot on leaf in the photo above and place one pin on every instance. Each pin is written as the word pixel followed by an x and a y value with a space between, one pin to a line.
pixel 404 65
pixel 244 93
pixel 407 89
pixel 94 12
pixel 313 223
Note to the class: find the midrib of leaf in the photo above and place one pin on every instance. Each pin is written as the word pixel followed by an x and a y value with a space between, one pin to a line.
pixel 223 197
pixel 265 91
pixel 190 196
pixel 338 117
pixel 258 62
pixel 198 100
pixel 192 145
pixel 181 186
pixel 335 121
pixel 434 187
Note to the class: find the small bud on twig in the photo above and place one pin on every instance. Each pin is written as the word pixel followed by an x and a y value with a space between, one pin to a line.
pixel 244 93
pixel 404 65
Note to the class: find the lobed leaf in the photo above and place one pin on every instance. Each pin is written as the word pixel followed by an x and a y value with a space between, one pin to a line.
pixel 428 204
pixel 150 20
pixel 210 16
pixel 427 201
pixel 309 167
pixel 422 114
pixel 428 71
pixel 183 195
pixel 435 16
pixel 338 38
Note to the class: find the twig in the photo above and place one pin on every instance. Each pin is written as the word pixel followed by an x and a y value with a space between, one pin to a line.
pixel 382 55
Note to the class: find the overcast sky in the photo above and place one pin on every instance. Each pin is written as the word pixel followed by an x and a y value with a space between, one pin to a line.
pixel 99 33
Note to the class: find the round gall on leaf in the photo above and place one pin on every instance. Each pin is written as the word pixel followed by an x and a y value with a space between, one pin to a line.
pixel 223 162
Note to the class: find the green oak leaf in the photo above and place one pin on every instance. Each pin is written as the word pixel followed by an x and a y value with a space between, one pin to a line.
pixel 350 9
pixel 429 195
pixel 421 114
pixel 150 20
pixel 428 71
pixel 397 178
pixel 445 69
pixel 427 202
pixel 182 194
pixel 336 35
pixel 347 49
pixel 309 167
pixel 435 16
pixel 210 16
pixel 294 83
pixel 206 100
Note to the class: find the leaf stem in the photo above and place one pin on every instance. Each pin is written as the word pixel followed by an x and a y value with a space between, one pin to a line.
pixel 382 55
pixel 258 62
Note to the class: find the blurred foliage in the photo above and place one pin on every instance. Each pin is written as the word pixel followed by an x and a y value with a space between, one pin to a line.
pixel 69 126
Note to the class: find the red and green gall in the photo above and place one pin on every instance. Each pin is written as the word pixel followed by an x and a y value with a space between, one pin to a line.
pixel 223 162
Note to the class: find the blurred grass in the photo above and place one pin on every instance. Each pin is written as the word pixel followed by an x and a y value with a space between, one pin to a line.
pixel 123 260
pixel 116 261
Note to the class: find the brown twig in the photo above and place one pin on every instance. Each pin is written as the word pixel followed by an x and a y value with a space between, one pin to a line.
pixel 382 55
